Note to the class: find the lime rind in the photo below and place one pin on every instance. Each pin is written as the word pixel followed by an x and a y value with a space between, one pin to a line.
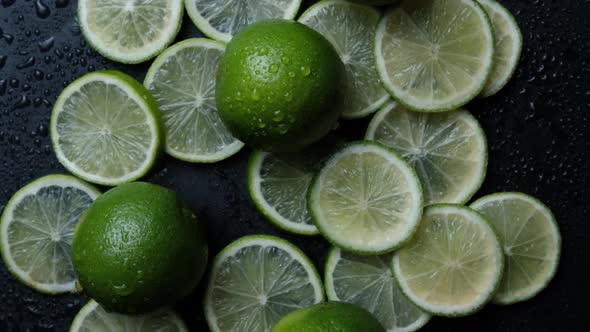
pixel 505 299
pixel 288 10
pixel 254 187
pixel 151 79
pixel 484 297
pixel 344 240
pixel 264 241
pixel 140 97
pixel 32 189
pixel 127 56
pixel 465 191
pixel 418 104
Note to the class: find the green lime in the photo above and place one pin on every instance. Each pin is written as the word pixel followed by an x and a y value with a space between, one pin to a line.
pixel 93 318
pixel 280 86
pixel 138 248
pixel 330 317
pixel 130 31
pixel 37 228
pixel 105 128
pixel 531 241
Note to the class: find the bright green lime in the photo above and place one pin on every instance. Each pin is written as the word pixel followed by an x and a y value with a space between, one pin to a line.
pixel 330 317
pixel 280 86
pixel 138 248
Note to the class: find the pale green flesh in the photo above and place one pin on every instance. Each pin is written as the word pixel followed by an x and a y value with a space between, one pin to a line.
pixel 256 287
pixel 99 320
pixel 351 30
pixel 183 85
pixel 531 245
pixel 40 232
pixel 447 150
pixel 436 52
pixel 452 264
pixel 367 281
pixel 103 131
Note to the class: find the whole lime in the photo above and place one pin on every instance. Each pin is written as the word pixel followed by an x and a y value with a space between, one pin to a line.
pixel 279 86
pixel 330 317
pixel 137 248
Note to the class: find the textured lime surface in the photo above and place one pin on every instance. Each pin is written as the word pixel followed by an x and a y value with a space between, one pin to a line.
pixel 221 19
pixel 453 265
pixel 330 317
pixel 448 150
pixel 182 81
pixel 256 281
pixel 93 318
pixel 105 128
pixel 130 31
pixel 367 282
pixel 37 228
pixel 280 86
pixel 531 240
pixel 137 248
pixel 434 55
pixel 366 199
pixel 351 29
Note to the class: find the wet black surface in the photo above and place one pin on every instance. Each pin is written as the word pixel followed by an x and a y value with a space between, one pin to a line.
pixel 538 131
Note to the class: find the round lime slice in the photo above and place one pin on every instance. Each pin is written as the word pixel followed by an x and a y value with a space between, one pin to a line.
pixel 434 55
pixel 351 29
pixel 448 150
pixel 130 31
pixel 37 228
pixel 453 265
pixel 256 281
pixel 531 241
pixel 105 128
pixel 182 81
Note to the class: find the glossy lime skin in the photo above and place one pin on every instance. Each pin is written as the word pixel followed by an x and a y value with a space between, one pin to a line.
pixel 330 317
pixel 137 248
pixel 280 86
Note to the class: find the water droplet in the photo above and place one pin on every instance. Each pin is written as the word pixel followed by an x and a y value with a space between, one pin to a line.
pixel 263 51
pixel 38 74
pixel 46 45
pixel 3 86
pixel 61 3
pixel 291 74
pixel 283 130
pixel 288 97
pixel 27 63
pixel 262 125
pixel 2 61
pixel 278 116
pixel 273 68
pixel 239 96
pixel 286 60
pixel 305 71
pixel 255 95
pixel 42 9
pixel 6 3
pixel 8 38
pixel 123 289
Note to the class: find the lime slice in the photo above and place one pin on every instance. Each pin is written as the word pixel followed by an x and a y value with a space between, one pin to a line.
pixel 130 31
pixel 92 318
pixel 221 19
pixel 351 29
pixel 37 228
pixel 366 199
pixel 508 46
pixel 256 281
pixel 278 186
pixel 105 128
pixel 531 240
pixel 448 150
pixel 434 55
pixel 454 264
pixel 367 282
pixel 182 81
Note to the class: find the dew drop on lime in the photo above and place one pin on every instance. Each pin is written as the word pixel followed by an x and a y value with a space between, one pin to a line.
pixel 278 117
pixel 273 68
pixel 286 60
pixel 255 95
pixel 263 51
pixel 239 96
pixel 262 125
pixel 283 130
pixel 291 74
pixel 305 71
pixel 122 289
pixel 288 97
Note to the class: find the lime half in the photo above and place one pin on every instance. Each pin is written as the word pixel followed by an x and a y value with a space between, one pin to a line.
pixel 531 240
pixel 105 128
pixel 37 228
pixel 434 55
pixel 221 19
pixel 508 46
pixel 182 81
pixel 130 31
pixel 366 199
pixel 93 318
pixel 256 281
pixel 448 150
pixel 367 281
pixel 453 265
pixel 351 29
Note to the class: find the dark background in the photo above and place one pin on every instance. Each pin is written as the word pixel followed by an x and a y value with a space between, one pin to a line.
pixel 537 127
